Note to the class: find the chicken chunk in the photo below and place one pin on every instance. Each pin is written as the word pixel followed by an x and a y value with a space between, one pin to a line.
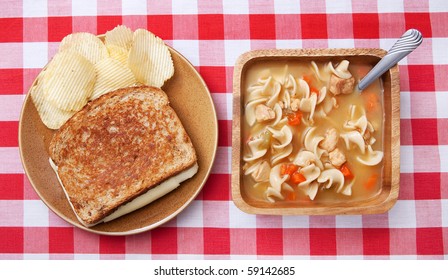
pixel 261 174
pixel 339 85
pixel 337 158
pixel 330 141
pixel 295 104
pixel 264 113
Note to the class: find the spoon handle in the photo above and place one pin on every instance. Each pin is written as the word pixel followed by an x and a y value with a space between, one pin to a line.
pixel 408 42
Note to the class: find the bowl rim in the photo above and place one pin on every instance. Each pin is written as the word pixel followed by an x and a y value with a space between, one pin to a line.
pixel 382 207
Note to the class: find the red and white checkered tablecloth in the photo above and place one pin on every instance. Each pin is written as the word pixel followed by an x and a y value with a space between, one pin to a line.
pixel 211 34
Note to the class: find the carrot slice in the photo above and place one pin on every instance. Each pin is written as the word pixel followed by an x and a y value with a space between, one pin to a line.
pixel 295 119
pixel 314 91
pixel 292 168
pixel 346 172
pixel 297 178
pixel 308 80
pixel 371 182
pixel 288 169
pixel 283 169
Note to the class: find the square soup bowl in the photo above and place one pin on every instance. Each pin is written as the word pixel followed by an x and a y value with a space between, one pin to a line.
pixel 388 194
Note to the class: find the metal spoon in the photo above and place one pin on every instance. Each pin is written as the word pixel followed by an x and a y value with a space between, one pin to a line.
pixel 408 42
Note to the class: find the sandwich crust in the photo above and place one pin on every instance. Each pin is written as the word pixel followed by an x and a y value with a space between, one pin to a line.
pixel 118 147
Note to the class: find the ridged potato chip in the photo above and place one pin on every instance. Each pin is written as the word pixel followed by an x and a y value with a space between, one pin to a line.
pixel 86 68
pixel 86 44
pixel 150 59
pixel 111 75
pixel 118 53
pixel 69 81
pixel 51 116
pixel 120 36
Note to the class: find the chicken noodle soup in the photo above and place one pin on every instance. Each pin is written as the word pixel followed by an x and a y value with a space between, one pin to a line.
pixel 310 134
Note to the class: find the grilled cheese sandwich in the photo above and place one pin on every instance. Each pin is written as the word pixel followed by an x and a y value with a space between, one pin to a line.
pixel 121 152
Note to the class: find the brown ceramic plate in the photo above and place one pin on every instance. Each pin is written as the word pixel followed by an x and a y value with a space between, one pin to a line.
pixel 190 98
pixel 391 169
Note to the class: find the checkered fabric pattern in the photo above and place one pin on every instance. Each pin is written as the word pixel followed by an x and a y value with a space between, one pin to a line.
pixel 211 34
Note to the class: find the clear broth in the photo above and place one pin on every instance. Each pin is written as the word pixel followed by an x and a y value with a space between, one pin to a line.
pixel 337 117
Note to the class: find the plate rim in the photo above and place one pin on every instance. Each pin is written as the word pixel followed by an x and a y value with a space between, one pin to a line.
pixel 147 227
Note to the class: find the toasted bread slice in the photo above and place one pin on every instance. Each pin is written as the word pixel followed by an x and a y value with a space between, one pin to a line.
pixel 117 148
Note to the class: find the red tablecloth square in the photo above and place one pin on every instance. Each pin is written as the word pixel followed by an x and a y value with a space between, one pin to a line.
pixel 366 26
pixel 61 240
pixel 161 25
pixel 376 241
pixel 314 26
pixel 429 241
pixel 424 131
pixel 58 28
pixel 12 30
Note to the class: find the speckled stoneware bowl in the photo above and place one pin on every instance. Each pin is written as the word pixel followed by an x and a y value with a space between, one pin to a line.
pixel 388 194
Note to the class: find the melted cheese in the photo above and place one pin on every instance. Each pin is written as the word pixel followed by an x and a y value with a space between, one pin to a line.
pixel 142 200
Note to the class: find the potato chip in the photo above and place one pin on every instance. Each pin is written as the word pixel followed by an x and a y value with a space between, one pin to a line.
pixel 51 116
pixel 150 59
pixel 111 75
pixel 86 44
pixel 69 81
pixel 120 36
pixel 118 53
